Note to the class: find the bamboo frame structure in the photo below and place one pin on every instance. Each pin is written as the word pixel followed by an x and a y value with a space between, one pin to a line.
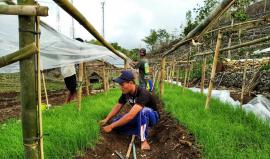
pixel 28 87
pixel 213 73
pixel 204 25
pixel 26 10
pixel 23 53
pixel 267 38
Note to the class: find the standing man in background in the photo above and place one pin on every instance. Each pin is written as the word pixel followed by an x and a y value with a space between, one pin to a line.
pixel 69 74
pixel 143 66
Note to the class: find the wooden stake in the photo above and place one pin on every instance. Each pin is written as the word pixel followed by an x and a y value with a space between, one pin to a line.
pixel 41 151
pixel 86 79
pixel 28 88
pixel 45 89
pixel 79 94
pixel 244 81
pixel 104 77
pixel 203 73
pixel 26 10
pixel 162 76
pixel 213 73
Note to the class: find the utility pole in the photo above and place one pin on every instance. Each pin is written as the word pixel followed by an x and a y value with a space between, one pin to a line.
pixel 103 21
pixel 72 25
pixel 58 19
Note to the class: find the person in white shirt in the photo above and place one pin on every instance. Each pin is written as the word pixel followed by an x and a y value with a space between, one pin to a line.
pixel 69 74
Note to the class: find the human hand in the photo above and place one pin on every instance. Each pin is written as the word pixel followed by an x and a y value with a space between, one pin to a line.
pixel 103 122
pixel 107 129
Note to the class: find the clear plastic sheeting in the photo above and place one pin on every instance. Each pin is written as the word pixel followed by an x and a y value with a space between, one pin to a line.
pixel 56 49
pixel 260 106
pixel 222 95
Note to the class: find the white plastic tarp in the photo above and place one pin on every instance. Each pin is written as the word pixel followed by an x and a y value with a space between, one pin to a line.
pixel 56 49
pixel 259 105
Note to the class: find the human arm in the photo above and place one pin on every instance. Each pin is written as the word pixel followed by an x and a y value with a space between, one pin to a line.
pixel 113 112
pixel 125 119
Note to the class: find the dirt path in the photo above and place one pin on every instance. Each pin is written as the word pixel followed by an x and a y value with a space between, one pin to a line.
pixel 168 140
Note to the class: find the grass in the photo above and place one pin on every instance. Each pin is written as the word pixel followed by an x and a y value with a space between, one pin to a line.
pixel 69 131
pixel 223 132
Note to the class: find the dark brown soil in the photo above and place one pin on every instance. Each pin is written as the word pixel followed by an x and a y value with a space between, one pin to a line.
pixel 168 140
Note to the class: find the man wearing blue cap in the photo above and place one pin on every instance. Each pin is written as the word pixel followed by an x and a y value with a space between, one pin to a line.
pixel 142 114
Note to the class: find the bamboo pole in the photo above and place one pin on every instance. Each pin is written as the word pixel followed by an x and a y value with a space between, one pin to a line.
pixel 173 68
pixel 204 25
pixel 86 79
pixel 162 76
pixel 189 74
pixel 26 10
pixel 104 78
pixel 79 95
pixel 27 51
pixel 28 87
pixel 214 66
pixel 244 81
pixel 267 38
pixel 125 64
pixel 72 11
pixel 230 39
pixel 41 151
pixel 177 74
pixel 45 89
pixel 203 73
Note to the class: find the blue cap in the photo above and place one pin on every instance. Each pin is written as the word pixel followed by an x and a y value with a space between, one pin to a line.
pixel 124 77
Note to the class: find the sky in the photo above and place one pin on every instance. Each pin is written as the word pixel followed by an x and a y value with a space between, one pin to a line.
pixel 126 21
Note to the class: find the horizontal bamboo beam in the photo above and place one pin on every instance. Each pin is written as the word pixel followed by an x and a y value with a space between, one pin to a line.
pixel 244 25
pixel 267 38
pixel 18 55
pixel 204 25
pixel 72 11
pixel 27 10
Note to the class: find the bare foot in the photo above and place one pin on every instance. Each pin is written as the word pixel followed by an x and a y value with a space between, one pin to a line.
pixel 145 145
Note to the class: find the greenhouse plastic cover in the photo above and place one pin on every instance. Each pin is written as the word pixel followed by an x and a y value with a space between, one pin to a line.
pixel 56 49
pixel 259 105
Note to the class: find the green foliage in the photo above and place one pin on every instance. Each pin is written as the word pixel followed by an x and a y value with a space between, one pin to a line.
pixel 223 132
pixel 151 40
pixel 265 67
pixel 203 11
pixel 69 131
pixel 240 8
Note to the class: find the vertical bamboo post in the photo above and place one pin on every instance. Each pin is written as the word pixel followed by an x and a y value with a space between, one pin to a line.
pixel 41 152
pixel 162 76
pixel 79 94
pixel 189 73
pixel 213 73
pixel 230 39
pixel 28 86
pixel 187 67
pixel 104 77
pixel 45 89
pixel 86 79
pixel 125 64
pixel 107 80
pixel 203 73
pixel 173 68
pixel 177 73
pixel 244 81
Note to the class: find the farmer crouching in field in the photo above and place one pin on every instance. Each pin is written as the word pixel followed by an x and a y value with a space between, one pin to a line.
pixel 142 113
